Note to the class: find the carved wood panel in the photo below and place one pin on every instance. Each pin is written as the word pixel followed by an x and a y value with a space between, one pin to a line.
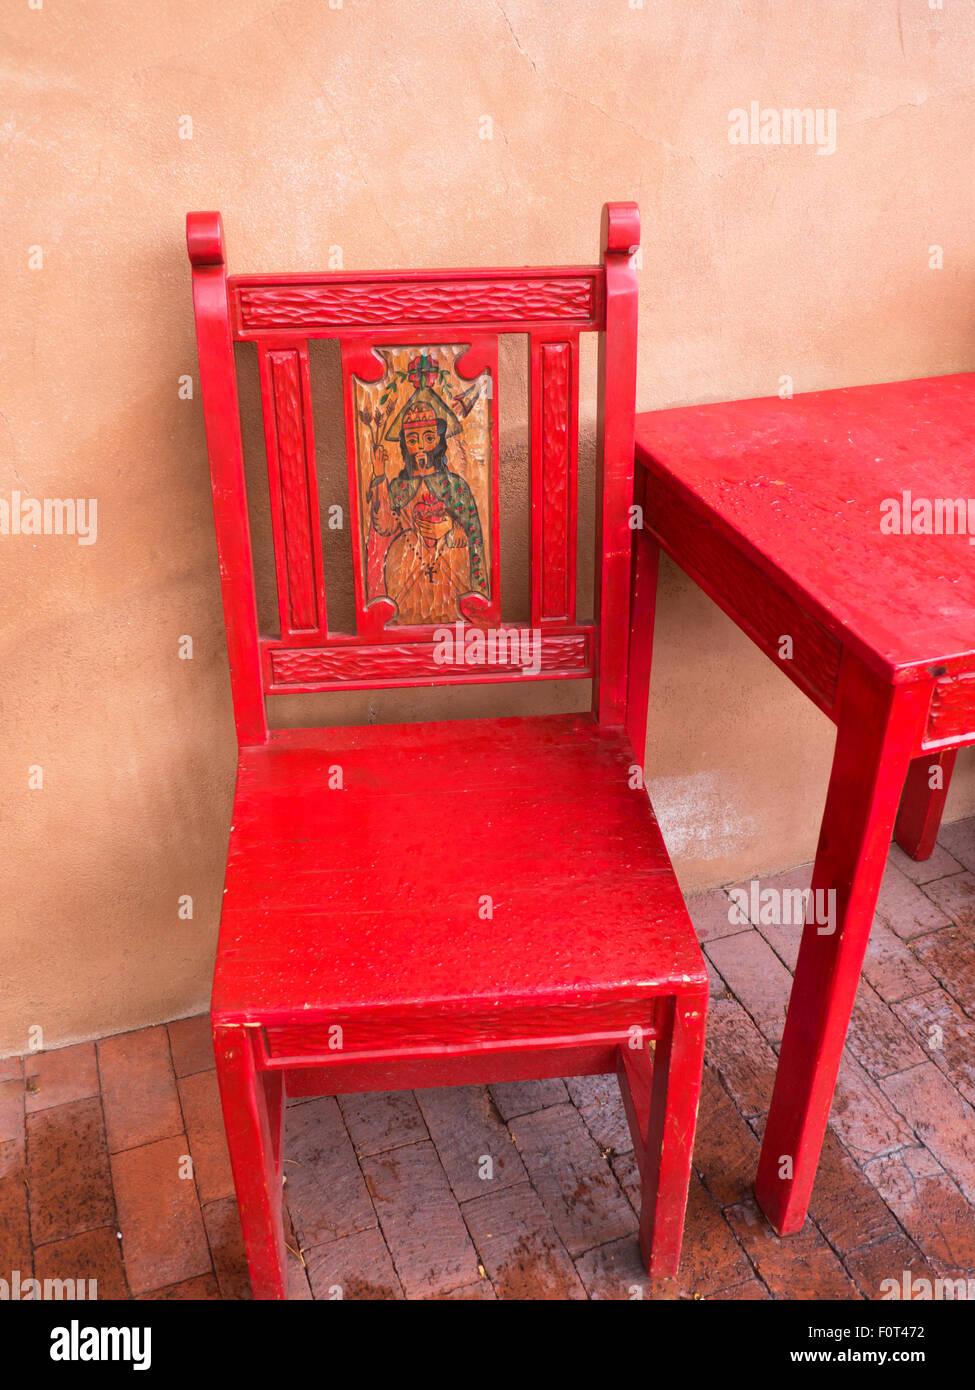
pixel 952 711
pixel 554 397
pixel 293 488
pixel 503 300
pixel 517 653
pixel 423 472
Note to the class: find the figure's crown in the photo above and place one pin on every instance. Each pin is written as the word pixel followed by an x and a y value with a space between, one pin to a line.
pixel 419 415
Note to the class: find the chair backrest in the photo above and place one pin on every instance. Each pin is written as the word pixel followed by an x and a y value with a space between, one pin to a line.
pixel 419 353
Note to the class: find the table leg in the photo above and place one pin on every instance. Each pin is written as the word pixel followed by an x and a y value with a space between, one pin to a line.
pixel 878 729
pixel 919 819
pixel 643 598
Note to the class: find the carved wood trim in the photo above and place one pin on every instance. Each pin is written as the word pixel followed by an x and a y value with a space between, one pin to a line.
pixel 497 299
pixel 952 711
pixel 348 665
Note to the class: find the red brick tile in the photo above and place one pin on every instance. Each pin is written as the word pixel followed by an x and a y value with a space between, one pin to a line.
pixel 785 934
pixel 627 1174
pixel 94 1255
pixel 928 1204
pixel 54 1078
pixel 946 1036
pixel 921 871
pixel 299 1289
pixel 519 1247
pixel 325 1191
pixel 200 1100
pixel 191 1043
pixel 572 1178
pixel 877 1037
pixel 13 1157
pixel 163 1240
pixel 598 1100
pixel 903 906
pixel 891 966
pixel 138 1089
pixel 801 1266
pixel 11 1111
pixel 15 1245
pixel 725 1148
pixel 943 1121
pixel 711 915
pixel 740 1055
pixel 356 1267
pixel 888 1259
pixel 845 1204
pixel 480 1292
pixel 717 985
pixel 756 976
pixel 68 1173
pixel 466 1130
pixel 955 897
pixel 382 1120
pixel 586 1091
pixel 958 839
pixel 614 1272
pixel 711 1257
pixel 523 1097
pixel 11 1069
pixel 948 1283
pixel 420 1219
pixel 751 1291
pixel 202 1289
pixel 784 941
pixel 950 957
pixel 863 1116
pixel 222 1223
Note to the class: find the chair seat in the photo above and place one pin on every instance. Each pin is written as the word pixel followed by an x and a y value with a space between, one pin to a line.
pixel 472 879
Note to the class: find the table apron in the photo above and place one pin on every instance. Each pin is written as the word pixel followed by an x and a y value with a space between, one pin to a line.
pixel 951 716
pixel 798 645
pixel 811 657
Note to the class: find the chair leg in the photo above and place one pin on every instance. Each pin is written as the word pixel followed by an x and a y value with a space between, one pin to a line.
pixel 919 818
pixel 253 1114
pixel 669 1115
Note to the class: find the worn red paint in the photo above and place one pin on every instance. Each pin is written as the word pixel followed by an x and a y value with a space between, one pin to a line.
pixel 774 507
pixel 469 901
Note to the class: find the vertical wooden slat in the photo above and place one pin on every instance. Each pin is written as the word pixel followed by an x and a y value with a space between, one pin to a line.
pixel 614 475
pixel 554 435
pixel 289 436
pixel 218 388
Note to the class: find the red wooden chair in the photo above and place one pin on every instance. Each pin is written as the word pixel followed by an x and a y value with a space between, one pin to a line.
pixel 458 902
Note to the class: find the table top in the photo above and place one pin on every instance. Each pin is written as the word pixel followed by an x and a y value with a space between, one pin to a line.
pixel 812 490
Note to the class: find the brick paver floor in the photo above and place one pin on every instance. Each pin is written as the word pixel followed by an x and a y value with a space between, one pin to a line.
pixel 113 1164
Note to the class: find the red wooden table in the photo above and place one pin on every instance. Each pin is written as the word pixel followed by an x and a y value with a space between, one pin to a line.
pixel 791 515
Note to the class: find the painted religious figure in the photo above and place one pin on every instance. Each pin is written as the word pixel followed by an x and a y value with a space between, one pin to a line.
pixel 424 460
